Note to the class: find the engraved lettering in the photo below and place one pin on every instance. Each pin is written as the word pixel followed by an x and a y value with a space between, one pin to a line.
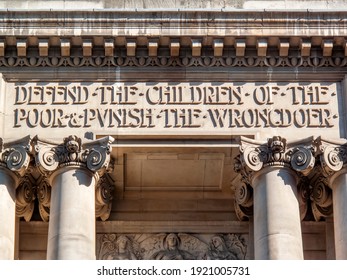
pixel 36 95
pixel 60 95
pixel 218 116
pixel 21 95
pixel 300 118
pixel 19 116
pixel 263 95
pixel 172 106
pixel 235 118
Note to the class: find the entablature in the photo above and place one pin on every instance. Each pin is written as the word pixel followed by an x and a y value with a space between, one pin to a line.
pixel 182 38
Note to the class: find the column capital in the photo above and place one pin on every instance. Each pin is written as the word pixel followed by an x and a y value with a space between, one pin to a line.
pixel 15 157
pixel 333 157
pixel 94 156
pixel 276 152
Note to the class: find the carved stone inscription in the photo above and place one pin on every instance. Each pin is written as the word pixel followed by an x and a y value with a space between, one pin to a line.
pixel 171 107
pixel 171 246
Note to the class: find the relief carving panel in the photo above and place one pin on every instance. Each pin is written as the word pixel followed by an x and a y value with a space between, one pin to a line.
pixel 171 246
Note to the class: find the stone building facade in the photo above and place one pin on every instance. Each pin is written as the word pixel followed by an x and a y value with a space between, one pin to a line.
pixel 164 130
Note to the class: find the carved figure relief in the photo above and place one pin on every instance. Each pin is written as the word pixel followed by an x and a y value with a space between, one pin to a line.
pixel 117 248
pixel 220 249
pixel 171 250
pixel 171 246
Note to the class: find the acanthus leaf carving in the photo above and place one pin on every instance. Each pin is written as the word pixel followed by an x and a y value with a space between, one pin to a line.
pixel 25 197
pixel 243 201
pixel 321 199
pixel 103 197
pixel 304 192
pixel 44 198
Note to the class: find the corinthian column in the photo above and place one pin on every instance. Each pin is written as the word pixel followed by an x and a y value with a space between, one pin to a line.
pixel 14 160
pixel 333 158
pixel 273 169
pixel 73 171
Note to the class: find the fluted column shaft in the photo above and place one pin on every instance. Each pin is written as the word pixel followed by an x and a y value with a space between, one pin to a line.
pixel 277 227
pixel 7 214
pixel 71 233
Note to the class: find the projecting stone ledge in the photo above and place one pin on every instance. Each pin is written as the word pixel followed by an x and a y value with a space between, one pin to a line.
pixel 172 4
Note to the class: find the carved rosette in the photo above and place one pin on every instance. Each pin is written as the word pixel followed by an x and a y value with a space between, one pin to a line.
pixel 103 197
pixel 25 198
pixel 276 152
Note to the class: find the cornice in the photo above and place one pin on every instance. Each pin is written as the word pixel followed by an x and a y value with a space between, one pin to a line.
pixel 160 22
pixel 173 38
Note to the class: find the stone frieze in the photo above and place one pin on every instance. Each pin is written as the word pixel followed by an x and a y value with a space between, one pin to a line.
pixel 171 246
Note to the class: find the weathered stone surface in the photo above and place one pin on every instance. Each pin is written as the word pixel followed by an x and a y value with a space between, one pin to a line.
pixel 174 4
pixel 171 246
pixel 232 108
pixel 175 83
